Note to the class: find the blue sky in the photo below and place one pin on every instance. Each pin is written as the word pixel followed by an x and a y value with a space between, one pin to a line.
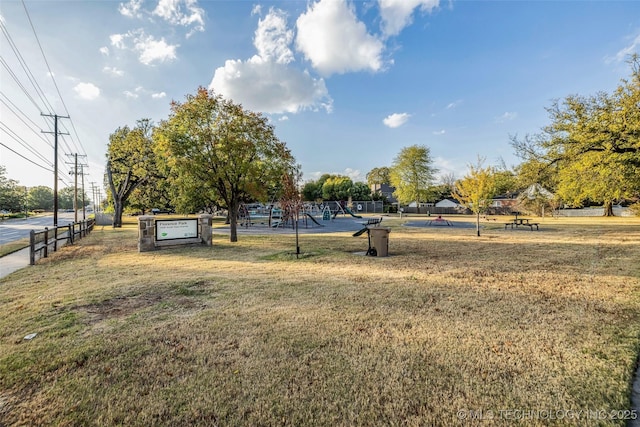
pixel 347 84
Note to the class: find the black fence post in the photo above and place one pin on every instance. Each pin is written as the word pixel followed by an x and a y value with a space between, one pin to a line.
pixel 32 246
pixel 46 242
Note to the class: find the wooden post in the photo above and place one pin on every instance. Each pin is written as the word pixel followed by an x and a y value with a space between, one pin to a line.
pixel 46 242
pixel 32 246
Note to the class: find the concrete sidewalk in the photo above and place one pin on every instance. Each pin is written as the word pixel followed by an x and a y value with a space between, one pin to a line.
pixel 13 262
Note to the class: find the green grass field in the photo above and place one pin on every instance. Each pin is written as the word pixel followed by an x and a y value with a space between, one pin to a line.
pixel 448 328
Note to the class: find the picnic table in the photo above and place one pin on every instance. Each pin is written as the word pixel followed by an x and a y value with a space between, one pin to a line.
pixel 520 222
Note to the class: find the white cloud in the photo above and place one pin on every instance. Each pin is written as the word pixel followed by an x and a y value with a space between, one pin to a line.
pixel 355 174
pixel 181 12
pixel 396 119
pixel 87 91
pixel 283 119
pixel 448 166
pixel 148 48
pixel 507 116
pixel 397 14
pixel 113 71
pixel 257 9
pixel 130 95
pixel 332 38
pixel 454 104
pixel 117 40
pixel 272 38
pixel 439 132
pixel 270 87
pixel 104 50
pixel 158 95
pixel 624 53
pixel 152 50
pixel 131 9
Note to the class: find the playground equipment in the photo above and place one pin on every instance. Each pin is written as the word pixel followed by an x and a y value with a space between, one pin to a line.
pixel 440 221
pixel 277 216
pixel 344 210
pixel 308 215
pixel 244 217
pixel 326 213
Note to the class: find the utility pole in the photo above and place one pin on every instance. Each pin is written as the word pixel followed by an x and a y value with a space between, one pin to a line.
pixel 84 213
pixel 55 162
pixel 75 186
pixel 93 196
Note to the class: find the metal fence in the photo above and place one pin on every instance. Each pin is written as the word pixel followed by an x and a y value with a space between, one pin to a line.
pixel 357 207
pixel 50 239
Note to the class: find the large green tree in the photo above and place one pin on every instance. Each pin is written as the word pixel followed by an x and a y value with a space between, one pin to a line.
pixel 412 174
pixel 534 171
pixel 40 197
pixel 131 163
pixel 337 187
pixel 67 195
pixel 11 193
pixel 312 190
pixel 594 141
pixel 217 148
pixel 476 190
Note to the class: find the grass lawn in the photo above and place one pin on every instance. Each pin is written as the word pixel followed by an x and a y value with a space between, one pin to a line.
pixel 8 248
pixel 245 334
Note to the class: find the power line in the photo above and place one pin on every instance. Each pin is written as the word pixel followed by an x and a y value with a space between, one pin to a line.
pixel 9 107
pixel 52 76
pixel 66 144
pixel 19 83
pixel 29 160
pixel 21 141
pixel 26 68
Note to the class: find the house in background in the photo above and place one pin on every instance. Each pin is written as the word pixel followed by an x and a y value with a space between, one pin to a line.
pixel 385 190
pixel 504 203
pixel 449 202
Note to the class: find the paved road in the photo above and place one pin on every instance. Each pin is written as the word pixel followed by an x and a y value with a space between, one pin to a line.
pixel 16 229
pixel 19 228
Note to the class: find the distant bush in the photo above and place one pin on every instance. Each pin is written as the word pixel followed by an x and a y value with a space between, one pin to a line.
pixel 635 209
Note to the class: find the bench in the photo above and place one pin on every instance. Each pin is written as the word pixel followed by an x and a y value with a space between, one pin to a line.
pixel 372 221
pixel 525 224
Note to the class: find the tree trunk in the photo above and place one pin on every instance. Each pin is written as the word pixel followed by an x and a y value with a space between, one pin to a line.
pixel 117 214
pixel 478 224
pixel 608 208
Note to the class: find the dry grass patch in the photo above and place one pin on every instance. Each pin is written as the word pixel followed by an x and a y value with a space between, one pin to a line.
pixel 244 334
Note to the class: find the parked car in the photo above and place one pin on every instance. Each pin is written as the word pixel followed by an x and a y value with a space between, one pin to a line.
pixel 156 211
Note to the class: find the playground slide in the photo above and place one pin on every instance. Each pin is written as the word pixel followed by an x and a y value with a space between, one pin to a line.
pixel 350 212
pixel 313 219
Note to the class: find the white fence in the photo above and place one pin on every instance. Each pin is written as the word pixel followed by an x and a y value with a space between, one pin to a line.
pixel 617 211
